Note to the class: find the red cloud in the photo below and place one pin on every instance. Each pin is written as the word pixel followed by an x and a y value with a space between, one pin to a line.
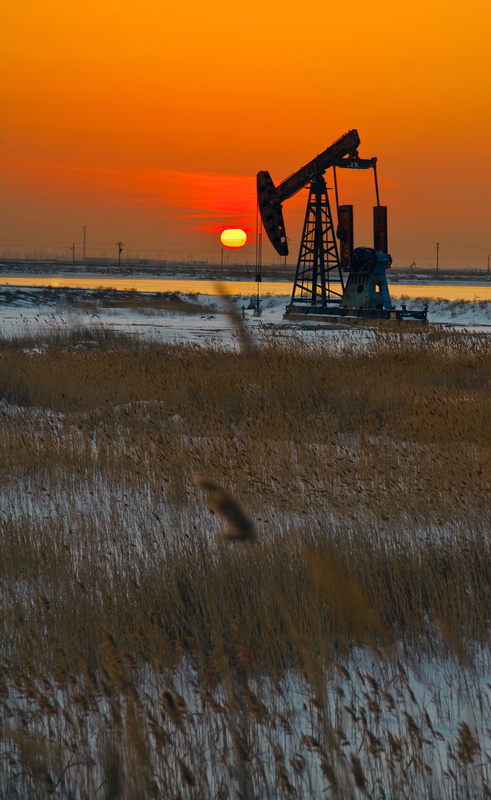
pixel 211 201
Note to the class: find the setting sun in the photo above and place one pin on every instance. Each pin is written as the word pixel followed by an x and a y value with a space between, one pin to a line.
pixel 233 237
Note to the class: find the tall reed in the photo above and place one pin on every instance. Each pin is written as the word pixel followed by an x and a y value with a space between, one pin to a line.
pixel 146 652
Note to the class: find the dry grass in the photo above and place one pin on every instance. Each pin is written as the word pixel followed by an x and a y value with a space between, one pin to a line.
pixel 95 299
pixel 342 655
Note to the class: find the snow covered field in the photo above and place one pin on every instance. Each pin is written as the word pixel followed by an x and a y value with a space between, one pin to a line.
pixel 30 311
pixel 127 627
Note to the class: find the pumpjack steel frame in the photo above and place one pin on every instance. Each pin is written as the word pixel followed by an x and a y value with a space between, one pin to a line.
pixel 318 256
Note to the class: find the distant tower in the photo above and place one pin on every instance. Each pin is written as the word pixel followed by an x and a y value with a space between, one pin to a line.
pixel 120 246
pixel 84 250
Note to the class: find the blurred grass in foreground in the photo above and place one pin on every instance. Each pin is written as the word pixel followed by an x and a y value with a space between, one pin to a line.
pixel 340 652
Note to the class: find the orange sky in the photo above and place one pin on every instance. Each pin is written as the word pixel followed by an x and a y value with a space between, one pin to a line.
pixel 147 122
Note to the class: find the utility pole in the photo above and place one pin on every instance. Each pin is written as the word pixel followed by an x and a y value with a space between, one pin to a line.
pixel 120 246
pixel 437 249
pixel 72 248
pixel 488 267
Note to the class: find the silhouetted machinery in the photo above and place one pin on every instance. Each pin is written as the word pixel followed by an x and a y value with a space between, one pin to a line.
pixel 319 289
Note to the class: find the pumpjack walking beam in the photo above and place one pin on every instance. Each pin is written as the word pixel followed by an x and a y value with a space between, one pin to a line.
pixel 271 197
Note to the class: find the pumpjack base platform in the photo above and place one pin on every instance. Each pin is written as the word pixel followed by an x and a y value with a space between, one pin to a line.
pixel 350 317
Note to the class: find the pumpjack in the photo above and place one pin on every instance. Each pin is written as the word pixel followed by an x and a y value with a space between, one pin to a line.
pixel 319 289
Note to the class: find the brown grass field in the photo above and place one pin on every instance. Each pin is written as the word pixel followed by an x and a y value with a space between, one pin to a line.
pixel 251 573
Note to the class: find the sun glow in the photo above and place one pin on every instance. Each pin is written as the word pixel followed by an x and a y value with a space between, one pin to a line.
pixel 233 238
pixel 162 149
